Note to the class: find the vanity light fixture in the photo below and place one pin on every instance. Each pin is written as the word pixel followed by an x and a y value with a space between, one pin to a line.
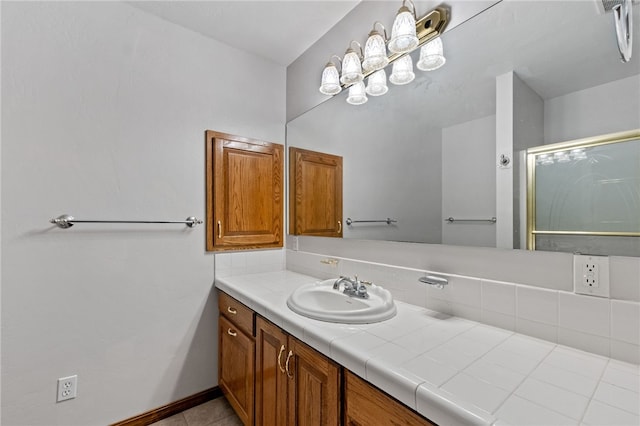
pixel 358 65
pixel 357 94
pixel 402 72
pixel 431 56
pixel 377 83
pixel 351 65
pixel 330 78
pixel 404 36
pixel 375 50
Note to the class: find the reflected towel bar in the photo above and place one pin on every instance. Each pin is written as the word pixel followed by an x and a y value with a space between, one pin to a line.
pixel 451 220
pixel 65 221
pixel 388 221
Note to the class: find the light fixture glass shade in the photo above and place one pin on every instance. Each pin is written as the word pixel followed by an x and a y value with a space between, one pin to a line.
pixel 377 83
pixel 403 34
pixel 431 56
pixel 402 72
pixel 357 95
pixel 351 68
pixel 330 80
pixel 375 53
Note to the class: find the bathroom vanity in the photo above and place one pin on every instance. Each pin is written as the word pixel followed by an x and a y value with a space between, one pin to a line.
pixel 261 366
pixel 420 366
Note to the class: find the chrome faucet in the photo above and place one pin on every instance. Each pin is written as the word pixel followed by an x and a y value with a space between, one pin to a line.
pixel 352 287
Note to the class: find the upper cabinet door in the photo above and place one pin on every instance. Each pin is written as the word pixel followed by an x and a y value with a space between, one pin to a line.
pixel 315 193
pixel 244 192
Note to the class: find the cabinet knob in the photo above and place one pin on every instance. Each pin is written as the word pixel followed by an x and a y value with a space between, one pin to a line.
pixel 339 227
pixel 230 332
pixel 219 230
pixel 231 310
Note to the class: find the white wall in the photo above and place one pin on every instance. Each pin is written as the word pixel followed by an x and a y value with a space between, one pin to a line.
pixel 598 110
pixel 469 182
pixel 104 110
pixel 528 131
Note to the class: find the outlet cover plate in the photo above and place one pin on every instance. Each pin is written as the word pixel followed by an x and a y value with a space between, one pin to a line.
pixel 591 275
pixel 67 388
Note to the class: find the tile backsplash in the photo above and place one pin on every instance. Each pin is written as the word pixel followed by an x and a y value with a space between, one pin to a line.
pixel 608 327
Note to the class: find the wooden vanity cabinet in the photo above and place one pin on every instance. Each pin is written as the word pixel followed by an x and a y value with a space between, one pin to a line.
pixel 236 356
pixel 271 378
pixel 315 193
pixel 295 384
pixel 366 405
pixel 244 185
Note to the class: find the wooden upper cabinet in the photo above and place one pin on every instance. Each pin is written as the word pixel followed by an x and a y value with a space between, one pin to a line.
pixel 315 193
pixel 244 192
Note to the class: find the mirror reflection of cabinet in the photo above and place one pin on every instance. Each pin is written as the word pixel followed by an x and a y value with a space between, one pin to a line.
pixel 244 192
pixel 315 193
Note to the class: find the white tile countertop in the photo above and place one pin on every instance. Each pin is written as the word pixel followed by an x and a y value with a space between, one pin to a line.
pixel 455 371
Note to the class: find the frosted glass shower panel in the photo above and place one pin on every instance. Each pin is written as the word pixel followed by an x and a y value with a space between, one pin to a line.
pixel 589 189
pixel 584 196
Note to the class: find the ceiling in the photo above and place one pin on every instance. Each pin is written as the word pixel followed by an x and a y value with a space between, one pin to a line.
pixel 279 31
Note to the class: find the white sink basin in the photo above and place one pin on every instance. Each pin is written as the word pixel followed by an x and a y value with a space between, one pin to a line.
pixel 322 302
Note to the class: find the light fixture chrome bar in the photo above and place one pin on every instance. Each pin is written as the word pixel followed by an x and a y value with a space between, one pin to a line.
pixel 451 220
pixel 66 221
pixel 388 221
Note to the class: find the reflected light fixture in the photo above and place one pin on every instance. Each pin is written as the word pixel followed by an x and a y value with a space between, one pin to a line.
pixel 375 50
pixel 351 66
pixel 377 83
pixel 578 154
pixel 330 84
pixel 357 95
pixel 403 34
pixel 431 56
pixel 402 72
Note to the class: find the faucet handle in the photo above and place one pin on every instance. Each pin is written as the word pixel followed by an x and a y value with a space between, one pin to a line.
pixel 362 291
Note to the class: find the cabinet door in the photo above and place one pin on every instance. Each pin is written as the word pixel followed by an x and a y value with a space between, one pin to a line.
pixel 314 387
pixel 366 405
pixel 315 192
pixel 244 192
pixel 271 378
pixel 236 366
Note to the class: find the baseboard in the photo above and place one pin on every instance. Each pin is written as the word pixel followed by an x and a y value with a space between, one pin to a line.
pixel 172 408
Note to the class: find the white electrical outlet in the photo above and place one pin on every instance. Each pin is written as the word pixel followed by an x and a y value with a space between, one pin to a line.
pixel 67 388
pixel 591 275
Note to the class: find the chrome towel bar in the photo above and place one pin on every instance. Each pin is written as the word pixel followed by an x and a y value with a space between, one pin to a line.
pixel 388 221
pixel 451 220
pixel 66 221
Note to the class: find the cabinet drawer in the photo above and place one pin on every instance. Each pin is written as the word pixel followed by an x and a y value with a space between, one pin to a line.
pixel 236 312
pixel 367 405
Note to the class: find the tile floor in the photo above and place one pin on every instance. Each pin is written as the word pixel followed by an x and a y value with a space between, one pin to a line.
pixel 217 412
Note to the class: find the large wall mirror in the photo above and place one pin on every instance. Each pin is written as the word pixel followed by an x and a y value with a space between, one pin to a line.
pixel 427 151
